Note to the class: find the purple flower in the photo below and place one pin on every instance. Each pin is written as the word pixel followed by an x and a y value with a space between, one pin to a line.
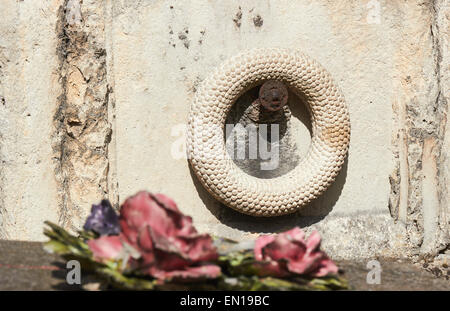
pixel 103 219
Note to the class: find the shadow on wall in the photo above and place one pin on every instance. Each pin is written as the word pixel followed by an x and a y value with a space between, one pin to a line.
pixel 293 140
pixel 308 215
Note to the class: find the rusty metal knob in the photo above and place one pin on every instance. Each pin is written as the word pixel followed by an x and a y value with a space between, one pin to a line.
pixel 273 95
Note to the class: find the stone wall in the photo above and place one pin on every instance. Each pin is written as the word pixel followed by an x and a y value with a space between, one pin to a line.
pixel 95 95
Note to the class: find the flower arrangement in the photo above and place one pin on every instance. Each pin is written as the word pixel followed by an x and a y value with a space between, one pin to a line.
pixel 151 245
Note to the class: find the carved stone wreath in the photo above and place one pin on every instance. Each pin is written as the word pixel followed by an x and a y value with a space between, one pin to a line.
pixel 316 171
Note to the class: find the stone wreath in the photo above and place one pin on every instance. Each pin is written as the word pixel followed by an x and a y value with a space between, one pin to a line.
pixel 215 97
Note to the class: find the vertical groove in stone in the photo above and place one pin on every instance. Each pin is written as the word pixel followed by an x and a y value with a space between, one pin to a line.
pixel 430 202
pixel 83 131
pixel 441 30
pixel 3 211
pixel 113 191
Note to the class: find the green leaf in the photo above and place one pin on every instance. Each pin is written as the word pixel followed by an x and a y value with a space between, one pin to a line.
pixel 254 283
pixel 87 235
pixel 121 281
pixel 56 247
pixel 73 244
pixel 330 283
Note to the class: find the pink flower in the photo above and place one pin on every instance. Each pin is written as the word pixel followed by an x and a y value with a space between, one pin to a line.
pixel 168 244
pixel 106 247
pixel 288 254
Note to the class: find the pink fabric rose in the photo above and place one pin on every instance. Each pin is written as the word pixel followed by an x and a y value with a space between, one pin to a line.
pixel 288 254
pixel 168 243
pixel 106 247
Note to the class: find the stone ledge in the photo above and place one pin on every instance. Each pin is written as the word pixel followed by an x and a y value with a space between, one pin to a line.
pixel 26 266
pixel 345 236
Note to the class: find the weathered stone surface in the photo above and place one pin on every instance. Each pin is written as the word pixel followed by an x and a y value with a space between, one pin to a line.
pixel 26 266
pixel 108 84
pixel 369 60
pixel 83 130
pixel 28 98
pixel 419 184
pixel 396 275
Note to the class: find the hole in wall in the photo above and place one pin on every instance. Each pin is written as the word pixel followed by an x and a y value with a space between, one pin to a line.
pixel 270 146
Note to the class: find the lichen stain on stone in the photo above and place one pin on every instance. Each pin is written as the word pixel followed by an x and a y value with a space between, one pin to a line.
pixel 238 18
pixel 258 21
pixel 171 37
pixel 182 35
pixel 202 35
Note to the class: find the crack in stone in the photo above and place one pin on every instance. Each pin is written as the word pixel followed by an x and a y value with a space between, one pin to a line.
pixel 83 131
